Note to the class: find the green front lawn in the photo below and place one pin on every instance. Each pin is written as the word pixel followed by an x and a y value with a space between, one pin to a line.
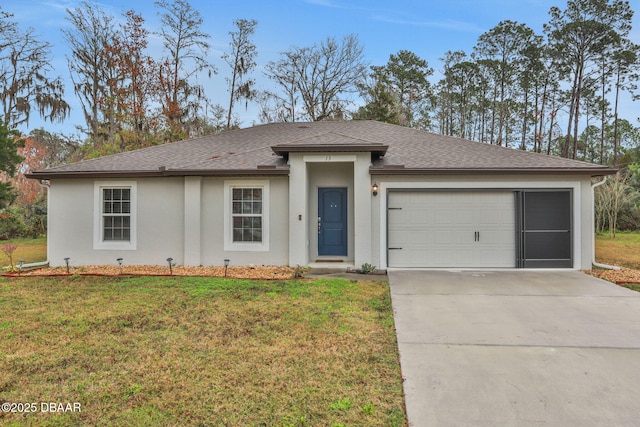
pixel 623 250
pixel 200 351
pixel 30 250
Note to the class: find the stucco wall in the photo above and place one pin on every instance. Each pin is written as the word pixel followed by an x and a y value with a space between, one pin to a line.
pixel 160 223
pixel 168 218
pixel 212 236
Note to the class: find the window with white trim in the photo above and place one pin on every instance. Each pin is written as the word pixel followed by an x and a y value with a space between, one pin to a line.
pixel 114 215
pixel 246 215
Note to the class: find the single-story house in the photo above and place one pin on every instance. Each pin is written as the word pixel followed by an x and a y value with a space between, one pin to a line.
pixel 351 192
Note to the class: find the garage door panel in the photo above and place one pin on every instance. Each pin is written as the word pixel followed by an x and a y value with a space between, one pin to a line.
pixel 438 229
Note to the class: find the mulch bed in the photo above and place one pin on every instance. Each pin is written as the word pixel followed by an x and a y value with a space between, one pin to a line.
pixel 257 272
pixel 624 275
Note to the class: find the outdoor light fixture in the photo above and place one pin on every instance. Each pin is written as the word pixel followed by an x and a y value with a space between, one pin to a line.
pixel 20 263
pixel 66 260
pixel 375 188
pixel 226 265
pixel 169 260
pixel 120 264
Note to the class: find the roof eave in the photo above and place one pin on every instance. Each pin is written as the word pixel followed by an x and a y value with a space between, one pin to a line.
pixel 493 171
pixel 376 149
pixel 93 174
pixel 260 171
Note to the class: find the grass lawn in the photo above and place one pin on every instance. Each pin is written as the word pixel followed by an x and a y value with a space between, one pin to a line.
pixel 200 351
pixel 623 250
pixel 30 250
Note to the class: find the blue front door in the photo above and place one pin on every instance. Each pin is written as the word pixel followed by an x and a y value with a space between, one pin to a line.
pixel 332 221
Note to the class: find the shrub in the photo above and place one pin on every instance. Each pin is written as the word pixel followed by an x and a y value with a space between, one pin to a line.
pixel 367 268
pixel 12 223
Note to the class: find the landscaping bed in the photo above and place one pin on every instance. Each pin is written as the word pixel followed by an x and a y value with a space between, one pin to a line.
pixel 256 272
pixel 624 275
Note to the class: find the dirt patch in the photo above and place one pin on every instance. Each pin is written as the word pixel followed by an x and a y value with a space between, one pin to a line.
pixel 624 275
pixel 257 272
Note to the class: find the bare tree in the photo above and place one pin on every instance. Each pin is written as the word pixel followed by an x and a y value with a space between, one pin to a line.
pixel 322 75
pixel 24 64
pixel 90 32
pixel 187 47
pixel 241 59
pixel 610 199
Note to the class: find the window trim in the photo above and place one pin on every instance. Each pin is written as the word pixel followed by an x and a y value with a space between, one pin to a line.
pixel 98 217
pixel 229 244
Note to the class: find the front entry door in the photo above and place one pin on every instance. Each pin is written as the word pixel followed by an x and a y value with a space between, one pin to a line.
pixel 332 221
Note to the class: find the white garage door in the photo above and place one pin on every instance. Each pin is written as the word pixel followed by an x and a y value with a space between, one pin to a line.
pixel 451 229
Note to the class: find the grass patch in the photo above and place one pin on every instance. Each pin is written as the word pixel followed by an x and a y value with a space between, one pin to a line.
pixel 200 351
pixel 30 250
pixel 623 250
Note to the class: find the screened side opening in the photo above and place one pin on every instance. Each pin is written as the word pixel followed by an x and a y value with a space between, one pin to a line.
pixel 543 219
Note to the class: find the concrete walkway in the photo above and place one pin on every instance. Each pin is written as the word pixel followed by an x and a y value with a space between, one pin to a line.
pixel 517 348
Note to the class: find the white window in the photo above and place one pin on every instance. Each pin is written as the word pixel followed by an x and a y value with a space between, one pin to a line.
pixel 246 216
pixel 114 216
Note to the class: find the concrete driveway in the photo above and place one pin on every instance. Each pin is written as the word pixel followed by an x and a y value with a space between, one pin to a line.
pixel 517 348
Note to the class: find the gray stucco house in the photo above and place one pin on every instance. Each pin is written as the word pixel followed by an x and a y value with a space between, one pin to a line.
pixel 347 191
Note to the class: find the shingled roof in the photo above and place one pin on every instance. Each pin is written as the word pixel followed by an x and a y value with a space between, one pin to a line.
pixel 263 150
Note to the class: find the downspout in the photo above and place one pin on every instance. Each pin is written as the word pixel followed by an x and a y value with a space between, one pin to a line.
pixel 593 241
pixel 42 263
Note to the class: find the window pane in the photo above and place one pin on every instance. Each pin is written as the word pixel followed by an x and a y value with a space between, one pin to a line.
pixel 246 194
pixel 126 194
pixel 256 222
pixel 237 207
pixel 257 235
pixel 246 222
pixel 257 208
pixel 107 194
pixel 257 194
pixel 246 208
pixel 237 194
pixel 237 234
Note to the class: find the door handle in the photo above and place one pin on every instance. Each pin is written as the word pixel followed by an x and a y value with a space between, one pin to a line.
pixel 319 224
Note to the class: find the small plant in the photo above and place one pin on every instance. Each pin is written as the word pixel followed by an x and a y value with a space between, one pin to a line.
pixel 367 268
pixel 8 250
pixel 341 405
pixel 299 272
pixel 369 408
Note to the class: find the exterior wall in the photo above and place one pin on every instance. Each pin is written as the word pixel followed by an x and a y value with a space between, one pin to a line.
pixel 308 172
pixel 160 212
pixel 184 218
pixel 213 228
pixel 179 218
pixel 582 205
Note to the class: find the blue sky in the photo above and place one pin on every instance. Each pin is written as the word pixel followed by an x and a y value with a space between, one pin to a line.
pixel 427 28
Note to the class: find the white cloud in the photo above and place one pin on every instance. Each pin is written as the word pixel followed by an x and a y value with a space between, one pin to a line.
pixel 445 24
